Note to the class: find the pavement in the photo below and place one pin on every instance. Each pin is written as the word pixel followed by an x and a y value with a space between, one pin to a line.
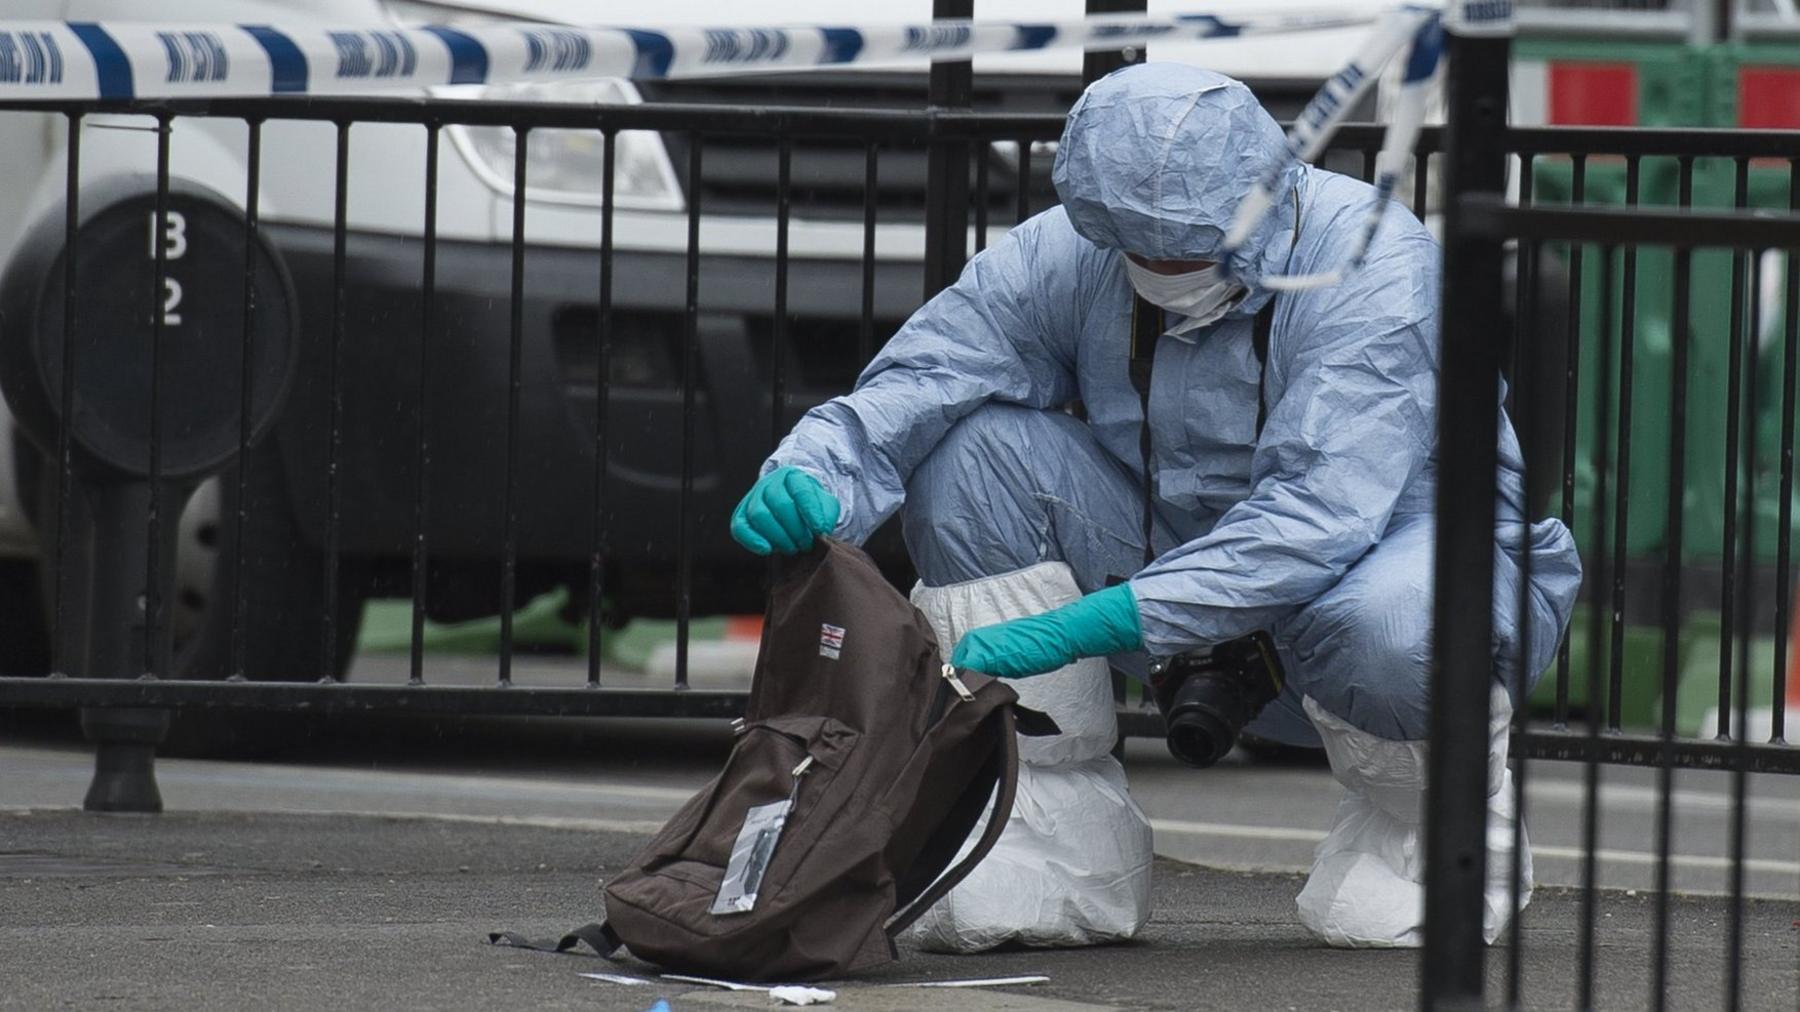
pixel 234 910
pixel 361 864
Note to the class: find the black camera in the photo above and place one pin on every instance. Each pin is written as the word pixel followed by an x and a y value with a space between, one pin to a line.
pixel 1207 696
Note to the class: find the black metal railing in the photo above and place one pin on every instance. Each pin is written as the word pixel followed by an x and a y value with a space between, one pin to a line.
pixel 110 520
pixel 1616 243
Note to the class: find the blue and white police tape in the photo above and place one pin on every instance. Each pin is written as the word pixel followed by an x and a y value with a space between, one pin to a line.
pixel 123 60
pixel 1419 30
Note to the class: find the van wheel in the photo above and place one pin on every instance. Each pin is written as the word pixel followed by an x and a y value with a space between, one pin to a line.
pixel 283 593
pixel 282 589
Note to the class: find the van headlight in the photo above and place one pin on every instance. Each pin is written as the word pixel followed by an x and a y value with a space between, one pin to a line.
pixel 567 166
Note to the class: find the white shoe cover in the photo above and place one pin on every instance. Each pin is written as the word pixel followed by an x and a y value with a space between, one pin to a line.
pixel 1366 887
pixel 1073 866
pixel 1079 697
pixel 1498 895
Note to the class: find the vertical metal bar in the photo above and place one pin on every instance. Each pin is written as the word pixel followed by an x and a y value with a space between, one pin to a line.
pixel 1571 405
pixel 154 653
pixel 1680 337
pixel 1740 777
pixel 982 160
pixel 1590 774
pixel 1525 341
pixel 1728 586
pixel 1747 584
pixel 1454 960
pixel 333 493
pixel 1742 333
pixel 509 557
pixel 1622 503
pixel 1784 528
pixel 246 388
pixel 865 334
pixel 778 334
pixel 689 355
pixel 422 444
pixel 602 405
pixel 1422 183
pixel 947 165
pixel 1524 308
pixel 1023 210
pixel 1525 375
pixel 1100 63
pixel 65 467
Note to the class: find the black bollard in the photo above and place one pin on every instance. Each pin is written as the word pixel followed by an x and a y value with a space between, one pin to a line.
pixel 159 344
pixel 109 556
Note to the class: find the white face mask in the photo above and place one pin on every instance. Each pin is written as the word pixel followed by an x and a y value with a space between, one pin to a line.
pixel 1201 296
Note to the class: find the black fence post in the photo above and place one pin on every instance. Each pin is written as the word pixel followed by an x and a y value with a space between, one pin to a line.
pixel 947 168
pixel 1094 66
pixel 1468 434
pixel 1100 63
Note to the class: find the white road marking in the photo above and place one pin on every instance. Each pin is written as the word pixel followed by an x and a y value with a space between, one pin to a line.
pixel 1642 798
pixel 529 821
pixel 1698 862
pixel 1236 831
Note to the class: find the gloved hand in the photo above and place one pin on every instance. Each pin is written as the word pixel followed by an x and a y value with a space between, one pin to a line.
pixel 1104 622
pixel 783 512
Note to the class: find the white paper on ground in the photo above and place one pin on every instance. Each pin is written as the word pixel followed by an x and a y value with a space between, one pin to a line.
pixel 791 994
pixel 794 994
pixel 614 978
pixel 729 985
pixel 978 982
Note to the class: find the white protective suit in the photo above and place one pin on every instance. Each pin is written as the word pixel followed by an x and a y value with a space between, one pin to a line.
pixel 1317 527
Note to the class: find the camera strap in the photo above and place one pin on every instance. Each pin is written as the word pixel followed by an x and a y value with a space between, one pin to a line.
pixel 1146 329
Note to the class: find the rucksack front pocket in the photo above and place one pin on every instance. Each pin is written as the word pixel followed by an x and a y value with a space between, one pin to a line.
pixel 789 760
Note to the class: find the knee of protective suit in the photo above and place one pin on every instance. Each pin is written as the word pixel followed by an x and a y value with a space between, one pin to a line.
pixel 1365 657
pixel 968 512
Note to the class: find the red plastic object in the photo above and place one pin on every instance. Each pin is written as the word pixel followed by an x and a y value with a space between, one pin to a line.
pixel 1769 97
pixel 1593 94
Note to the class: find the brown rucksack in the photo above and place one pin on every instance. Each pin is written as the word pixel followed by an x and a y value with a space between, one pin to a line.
pixel 861 766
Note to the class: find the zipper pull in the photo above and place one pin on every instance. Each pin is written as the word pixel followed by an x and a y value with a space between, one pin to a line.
pixel 956 683
pixel 799 771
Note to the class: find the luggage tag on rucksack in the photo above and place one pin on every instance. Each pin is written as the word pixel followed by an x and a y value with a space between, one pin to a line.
pixel 753 849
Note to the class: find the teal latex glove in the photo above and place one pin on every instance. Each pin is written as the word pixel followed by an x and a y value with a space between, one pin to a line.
pixel 783 512
pixel 1104 622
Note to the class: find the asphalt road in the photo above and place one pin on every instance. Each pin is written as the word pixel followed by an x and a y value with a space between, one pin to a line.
pixel 222 910
pixel 546 780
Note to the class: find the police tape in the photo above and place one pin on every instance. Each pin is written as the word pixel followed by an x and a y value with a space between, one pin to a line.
pixel 125 60
pixel 74 60
pixel 1419 31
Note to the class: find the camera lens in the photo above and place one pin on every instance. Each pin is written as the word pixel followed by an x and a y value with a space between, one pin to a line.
pixel 1199 739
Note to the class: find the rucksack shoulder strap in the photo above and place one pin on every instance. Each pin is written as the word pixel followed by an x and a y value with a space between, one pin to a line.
pixel 598 936
pixel 996 824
